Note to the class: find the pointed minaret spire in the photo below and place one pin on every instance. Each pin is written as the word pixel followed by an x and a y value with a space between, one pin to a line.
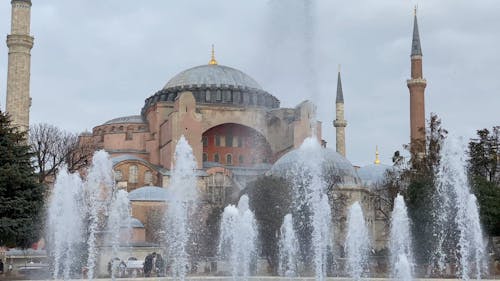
pixel 339 123
pixel 340 94
pixel 416 49
pixel 416 85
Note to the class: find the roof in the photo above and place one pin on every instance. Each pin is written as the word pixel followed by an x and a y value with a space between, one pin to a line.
pixel 218 75
pixel 126 120
pixel 416 49
pixel 149 193
pixel 135 223
pixel 128 157
pixel 373 174
pixel 335 167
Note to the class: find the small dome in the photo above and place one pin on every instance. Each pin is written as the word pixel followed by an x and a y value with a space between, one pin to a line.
pixel 373 174
pixel 336 168
pixel 218 75
pixel 135 223
pixel 149 193
pixel 126 120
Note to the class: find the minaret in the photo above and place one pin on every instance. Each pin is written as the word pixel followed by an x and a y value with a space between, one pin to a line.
pixel 339 123
pixel 19 43
pixel 416 85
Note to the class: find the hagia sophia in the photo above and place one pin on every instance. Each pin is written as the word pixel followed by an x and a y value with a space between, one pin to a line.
pixel 237 131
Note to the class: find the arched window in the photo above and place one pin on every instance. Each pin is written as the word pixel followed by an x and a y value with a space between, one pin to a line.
pixel 118 175
pixel 240 159
pixel 148 178
pixel 205 157
pixel 216 157
pixel 229 159
pixel 132 174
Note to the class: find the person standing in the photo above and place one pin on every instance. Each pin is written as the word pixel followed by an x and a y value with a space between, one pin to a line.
pixel 1 266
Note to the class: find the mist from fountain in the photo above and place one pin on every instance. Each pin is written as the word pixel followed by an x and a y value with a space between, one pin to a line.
pixel 65 222
pixel 119 225
pixel 288 249
pixel 400 250
pixel 238 238
pixel 97 189
pixel 461 209
pixel 309 191
pixel 184 191
pixel 357 244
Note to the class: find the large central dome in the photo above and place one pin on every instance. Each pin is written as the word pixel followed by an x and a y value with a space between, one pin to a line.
pixel 212 74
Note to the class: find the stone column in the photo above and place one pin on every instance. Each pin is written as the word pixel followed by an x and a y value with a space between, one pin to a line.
pixel 19 43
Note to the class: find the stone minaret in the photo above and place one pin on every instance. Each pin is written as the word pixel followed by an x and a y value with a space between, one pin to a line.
pixel 339 123
pixel 416 85
pixel 18 73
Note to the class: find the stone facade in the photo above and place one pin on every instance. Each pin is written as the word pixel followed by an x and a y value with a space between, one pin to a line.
pixel 19 43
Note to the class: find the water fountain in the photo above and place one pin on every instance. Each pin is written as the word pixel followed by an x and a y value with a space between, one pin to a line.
pixel 119 225
pixel 288 249
pixel 460 207
pixel 64 211
pixel 401 257
pixel 357 244
pixel 184 193
pixel 238 238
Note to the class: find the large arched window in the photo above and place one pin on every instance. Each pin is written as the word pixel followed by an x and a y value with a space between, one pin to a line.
pixel 216 157
pixel 205 157
pixel 132 174
pixel 229 159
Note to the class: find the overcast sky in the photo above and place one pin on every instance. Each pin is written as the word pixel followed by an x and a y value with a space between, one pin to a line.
pixel 95 60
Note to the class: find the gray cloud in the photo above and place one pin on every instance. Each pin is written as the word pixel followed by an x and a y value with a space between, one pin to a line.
pixel 96 60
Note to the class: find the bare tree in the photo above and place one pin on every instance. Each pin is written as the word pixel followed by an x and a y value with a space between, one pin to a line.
pixel 53 147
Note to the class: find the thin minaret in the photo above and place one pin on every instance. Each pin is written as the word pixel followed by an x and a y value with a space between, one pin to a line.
pixel 416 85
pixel 19 42
pixel 339 123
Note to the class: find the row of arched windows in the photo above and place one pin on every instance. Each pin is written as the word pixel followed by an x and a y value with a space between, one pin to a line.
pixel 229 158
pixel 133 175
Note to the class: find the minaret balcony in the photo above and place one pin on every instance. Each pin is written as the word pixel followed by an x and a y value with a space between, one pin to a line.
pixel 339 123
pixel 416 81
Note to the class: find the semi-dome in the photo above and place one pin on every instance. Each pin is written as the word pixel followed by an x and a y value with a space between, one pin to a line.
pixel 374 174
pixel 212 74
pixel 149 193
pixel 336 169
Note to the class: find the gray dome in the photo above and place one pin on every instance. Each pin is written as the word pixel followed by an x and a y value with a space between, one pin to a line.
pixel 373 174
pixel 149 193
pixel 335 168
pixel 218 75
pixel 135 223
pixel 126 119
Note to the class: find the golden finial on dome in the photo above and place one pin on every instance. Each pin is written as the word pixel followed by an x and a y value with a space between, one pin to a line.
pixel 212 59
pixel 377 160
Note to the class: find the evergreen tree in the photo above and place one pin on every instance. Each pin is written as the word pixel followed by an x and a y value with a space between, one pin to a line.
pixel 21 198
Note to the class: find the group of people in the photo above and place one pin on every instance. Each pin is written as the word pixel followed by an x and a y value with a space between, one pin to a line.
pixel 154 265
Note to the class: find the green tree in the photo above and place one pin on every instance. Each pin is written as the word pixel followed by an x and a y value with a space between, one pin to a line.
pixel 484 174
pixel 416 180
pixel 21 198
